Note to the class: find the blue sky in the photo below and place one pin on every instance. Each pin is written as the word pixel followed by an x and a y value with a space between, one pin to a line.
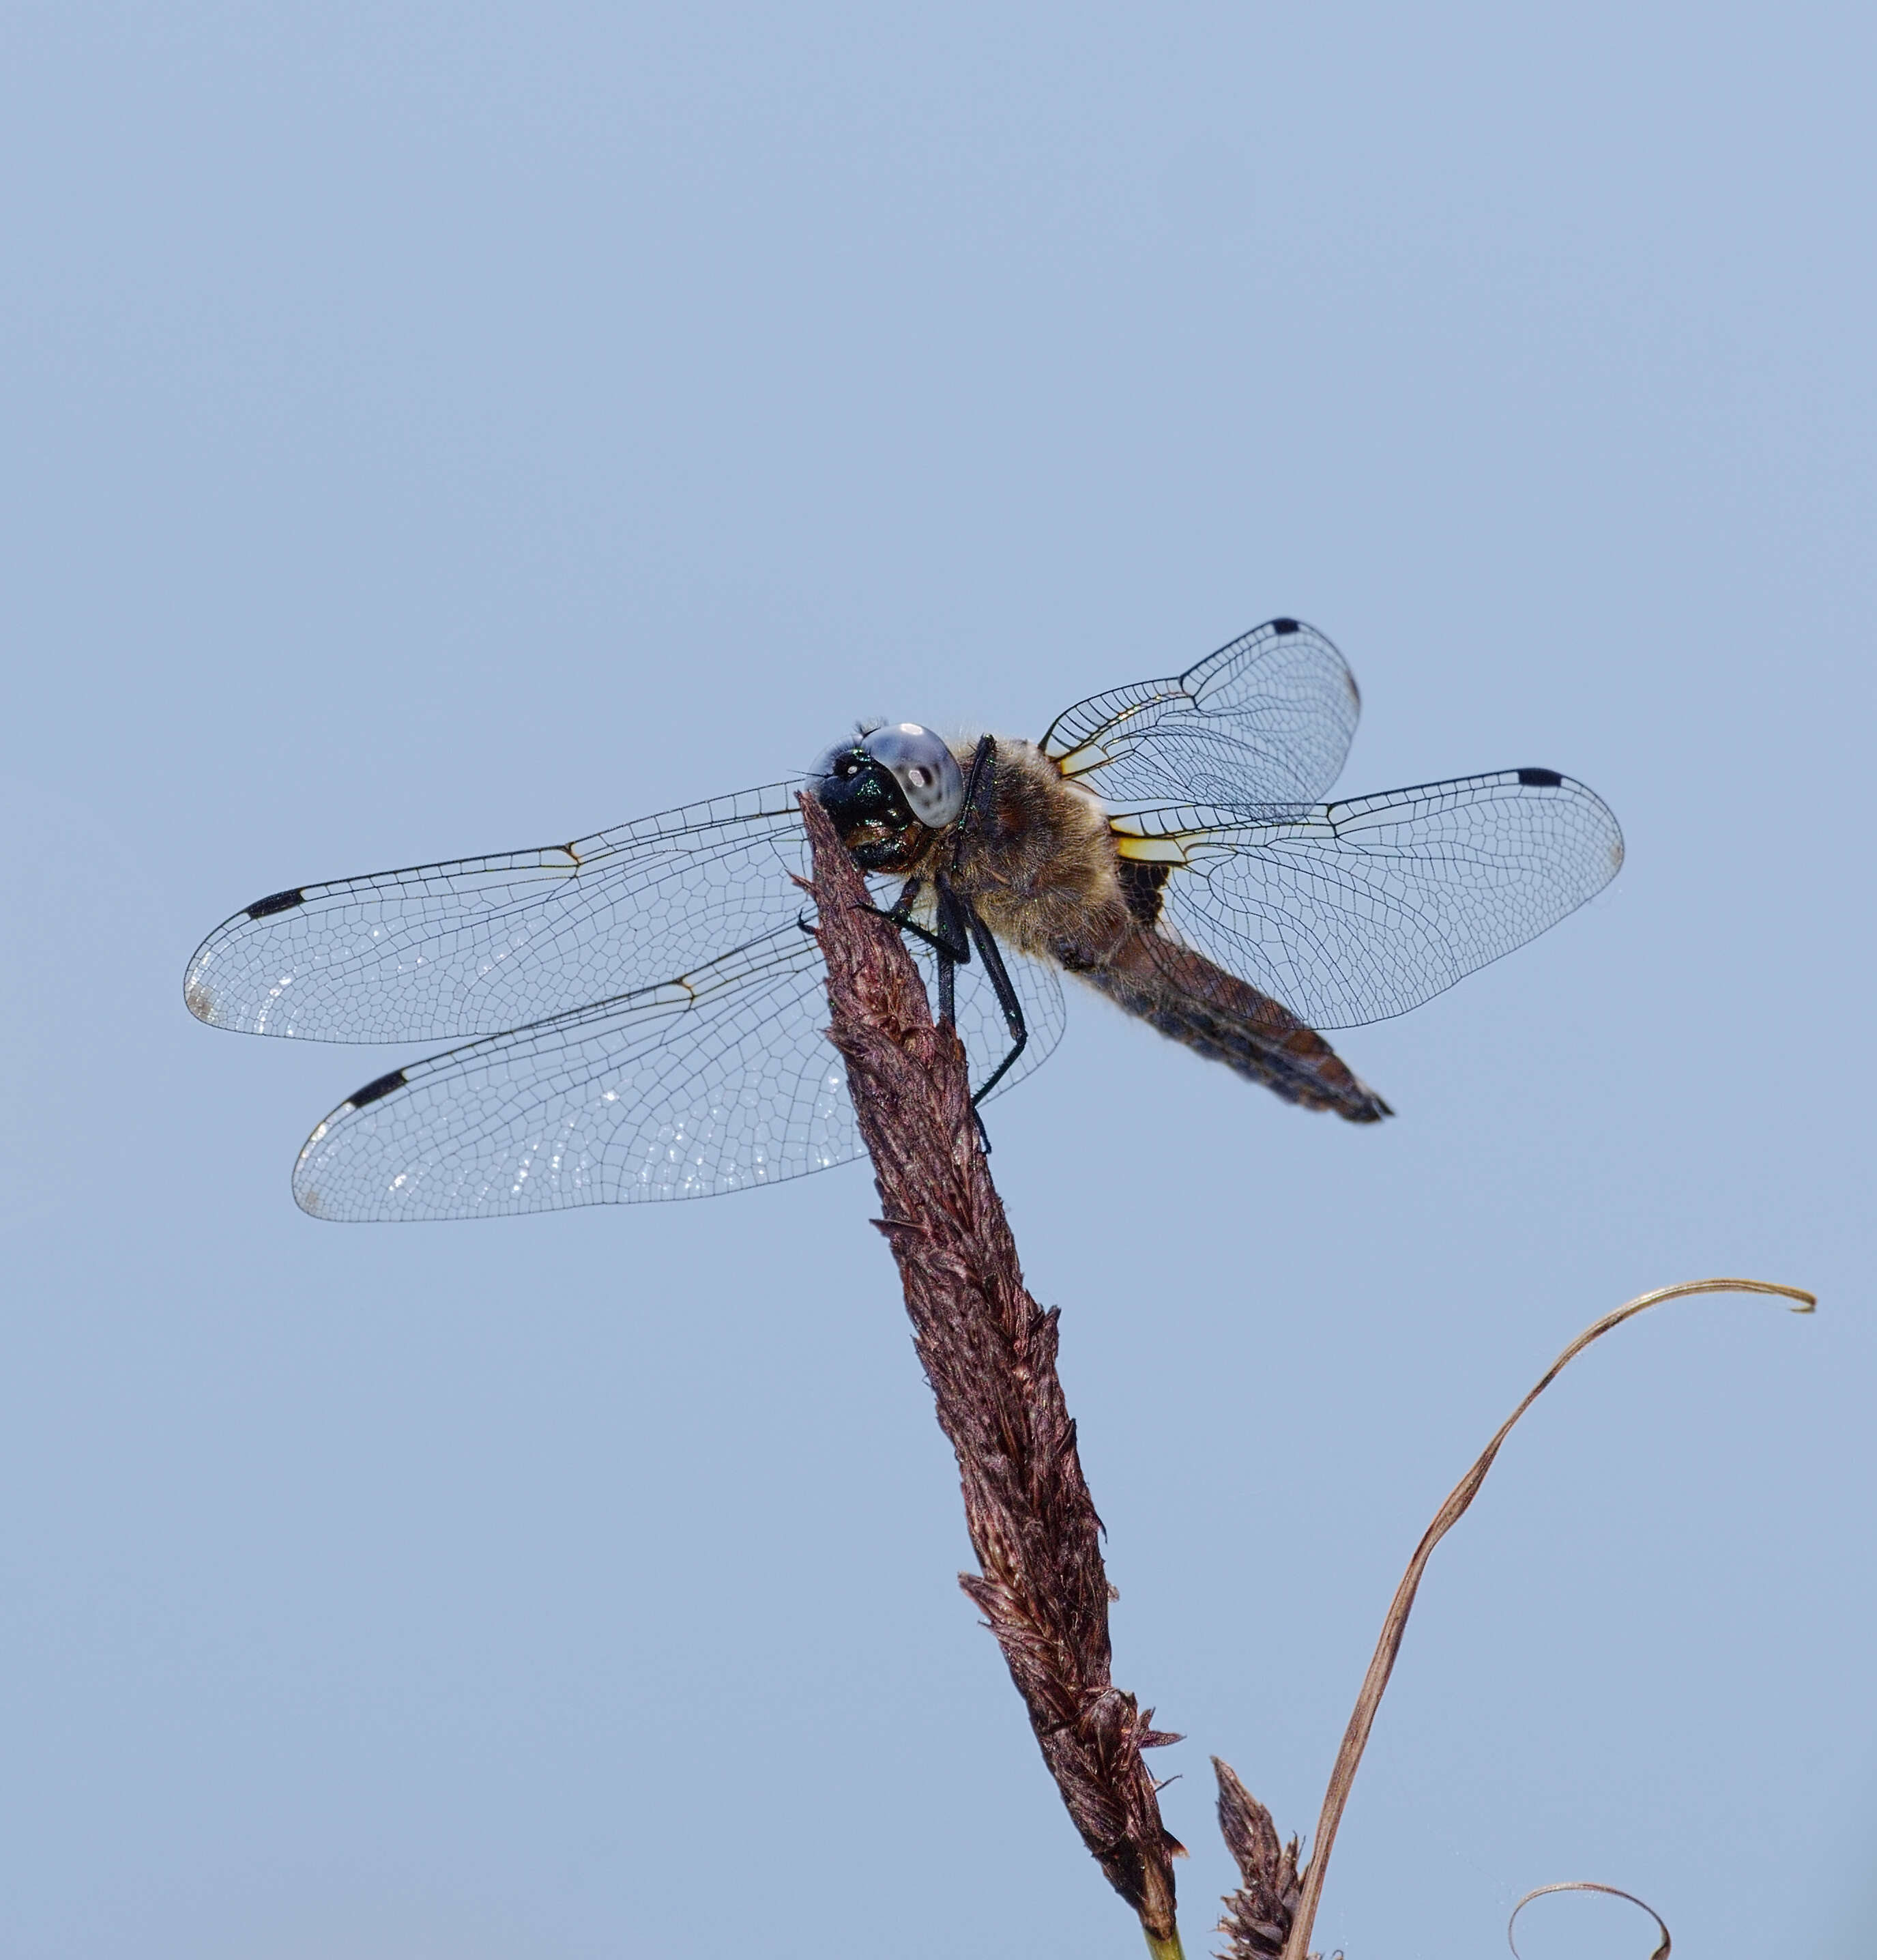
pixel 430 430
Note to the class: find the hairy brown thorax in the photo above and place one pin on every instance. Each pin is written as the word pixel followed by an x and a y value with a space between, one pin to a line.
pixel 1040 866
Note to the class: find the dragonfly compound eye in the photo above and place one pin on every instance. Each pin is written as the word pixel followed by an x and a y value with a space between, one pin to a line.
pixel 925 769
pixel 856 790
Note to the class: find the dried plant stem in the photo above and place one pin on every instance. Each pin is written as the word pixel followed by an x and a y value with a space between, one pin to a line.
pixel 989 1352
pixel 1664 1947
pixel 1356 1737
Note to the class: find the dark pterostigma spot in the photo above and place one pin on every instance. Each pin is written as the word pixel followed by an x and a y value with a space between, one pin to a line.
pixel 1283 626
pixel 1540 779
pixel 373 1091
pixel 279 901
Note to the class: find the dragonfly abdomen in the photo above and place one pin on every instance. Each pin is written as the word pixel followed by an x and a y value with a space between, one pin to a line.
pixel 1220 1017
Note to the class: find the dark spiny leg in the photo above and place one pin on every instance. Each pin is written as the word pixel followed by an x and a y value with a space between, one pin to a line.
pixel 953 945
pixel 900 912
pixel 947 990
pixel 978 787
pixel 949 941
pixel 983 939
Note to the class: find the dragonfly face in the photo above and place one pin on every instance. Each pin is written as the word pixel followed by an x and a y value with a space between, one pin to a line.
pixel 636 1014
pixel 888 790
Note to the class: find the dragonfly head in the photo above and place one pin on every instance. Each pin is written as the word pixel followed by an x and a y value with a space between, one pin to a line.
pixel 887 788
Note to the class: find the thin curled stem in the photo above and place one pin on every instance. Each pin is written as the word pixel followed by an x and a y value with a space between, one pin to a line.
pixel 1375 1682
pixel 1592 1886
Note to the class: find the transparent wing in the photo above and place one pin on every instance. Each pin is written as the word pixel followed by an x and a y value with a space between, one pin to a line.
pixel 1267 719
pixel 1353 912
pixel 484 944
pixel 685 1089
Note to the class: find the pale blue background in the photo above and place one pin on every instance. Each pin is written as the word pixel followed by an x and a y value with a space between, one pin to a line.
pixel 431 429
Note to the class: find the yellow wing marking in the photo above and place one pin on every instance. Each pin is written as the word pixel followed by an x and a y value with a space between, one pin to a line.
pixel 1148 850
pixel 1113 740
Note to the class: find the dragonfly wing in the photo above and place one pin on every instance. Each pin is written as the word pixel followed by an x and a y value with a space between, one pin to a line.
pixel 709 1084
pixel 1351 913
pixel 1268 718
pixel 712 1083
pixel 483 944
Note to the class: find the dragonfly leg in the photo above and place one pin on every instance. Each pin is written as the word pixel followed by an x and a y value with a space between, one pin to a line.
pixel 953 945
pixel 902 905
pixel 900 914
pixel 951 940
pixel 985 941
pixel 978 787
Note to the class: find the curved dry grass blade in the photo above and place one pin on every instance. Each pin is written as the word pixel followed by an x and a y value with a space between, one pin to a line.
pixel 1591 1885
pixel 1375 1682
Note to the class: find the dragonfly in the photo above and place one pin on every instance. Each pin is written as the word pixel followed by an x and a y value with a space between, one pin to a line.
pixel 640 1014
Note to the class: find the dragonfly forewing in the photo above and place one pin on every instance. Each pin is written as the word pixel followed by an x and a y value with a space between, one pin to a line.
pixel 481 945
pixel 1267 718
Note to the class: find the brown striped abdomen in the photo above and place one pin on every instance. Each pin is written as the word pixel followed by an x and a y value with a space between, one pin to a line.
pixel 1219 1015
